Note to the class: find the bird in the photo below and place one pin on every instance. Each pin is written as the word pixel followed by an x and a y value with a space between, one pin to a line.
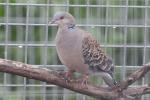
pixel 79 51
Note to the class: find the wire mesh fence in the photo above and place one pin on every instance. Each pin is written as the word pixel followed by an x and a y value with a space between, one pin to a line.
pixel 122 27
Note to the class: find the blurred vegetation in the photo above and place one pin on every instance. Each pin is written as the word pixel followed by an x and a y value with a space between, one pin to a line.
pixel 114 27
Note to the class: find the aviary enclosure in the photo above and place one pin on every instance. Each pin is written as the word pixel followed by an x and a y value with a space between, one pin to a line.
pixel 122 27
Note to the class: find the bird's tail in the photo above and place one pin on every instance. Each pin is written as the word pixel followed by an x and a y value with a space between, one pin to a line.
pixel 109 80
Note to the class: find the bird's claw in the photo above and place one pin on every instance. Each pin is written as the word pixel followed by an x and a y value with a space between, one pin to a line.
pixel 83 81
pixel 68 77
pixel 116 87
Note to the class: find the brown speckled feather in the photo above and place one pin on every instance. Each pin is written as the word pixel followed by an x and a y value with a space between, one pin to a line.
pixel 95 57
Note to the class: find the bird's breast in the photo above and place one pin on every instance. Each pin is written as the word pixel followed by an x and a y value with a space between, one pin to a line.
pixel 69 49
pixel 67 46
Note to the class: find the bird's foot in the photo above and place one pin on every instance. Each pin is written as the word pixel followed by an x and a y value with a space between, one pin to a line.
pixel 68 77
pixel 116 87
pixel 83 81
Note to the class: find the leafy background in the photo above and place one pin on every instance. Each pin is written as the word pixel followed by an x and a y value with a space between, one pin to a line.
pixel 120 26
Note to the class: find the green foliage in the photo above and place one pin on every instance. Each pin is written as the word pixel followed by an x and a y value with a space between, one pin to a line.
pixel 1 11
pixel 2 35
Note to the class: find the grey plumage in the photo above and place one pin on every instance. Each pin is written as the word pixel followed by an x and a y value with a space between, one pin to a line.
pixel 79 51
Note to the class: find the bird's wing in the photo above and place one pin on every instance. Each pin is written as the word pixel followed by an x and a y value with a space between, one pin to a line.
pixel 95 57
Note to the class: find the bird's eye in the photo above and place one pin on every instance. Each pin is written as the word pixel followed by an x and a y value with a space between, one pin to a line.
pixel 62 17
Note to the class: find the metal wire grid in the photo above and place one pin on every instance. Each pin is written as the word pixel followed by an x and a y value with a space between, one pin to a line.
pixel 28 87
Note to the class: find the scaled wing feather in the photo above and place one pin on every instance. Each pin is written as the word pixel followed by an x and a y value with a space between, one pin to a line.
pixel 95 57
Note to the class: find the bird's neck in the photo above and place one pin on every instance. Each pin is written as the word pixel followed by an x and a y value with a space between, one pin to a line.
pixel 71 26
pixel 68 26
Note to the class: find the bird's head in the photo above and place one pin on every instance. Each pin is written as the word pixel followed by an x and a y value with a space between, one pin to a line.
pixel 61 18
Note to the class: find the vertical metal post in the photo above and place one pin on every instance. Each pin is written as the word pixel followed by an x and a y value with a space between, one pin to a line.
pixel 26 46
pixel 6 42
pixel 123 69
pixel 46 47
pixel 145 37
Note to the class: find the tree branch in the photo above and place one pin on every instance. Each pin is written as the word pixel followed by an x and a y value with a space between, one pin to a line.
pixel 55 77
pixel 49 76
pixel 133 91
pixel 135 76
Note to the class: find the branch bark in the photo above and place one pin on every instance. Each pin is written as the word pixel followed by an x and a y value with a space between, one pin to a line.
pixel 134 91
pixel 55 77
pixel 135 76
